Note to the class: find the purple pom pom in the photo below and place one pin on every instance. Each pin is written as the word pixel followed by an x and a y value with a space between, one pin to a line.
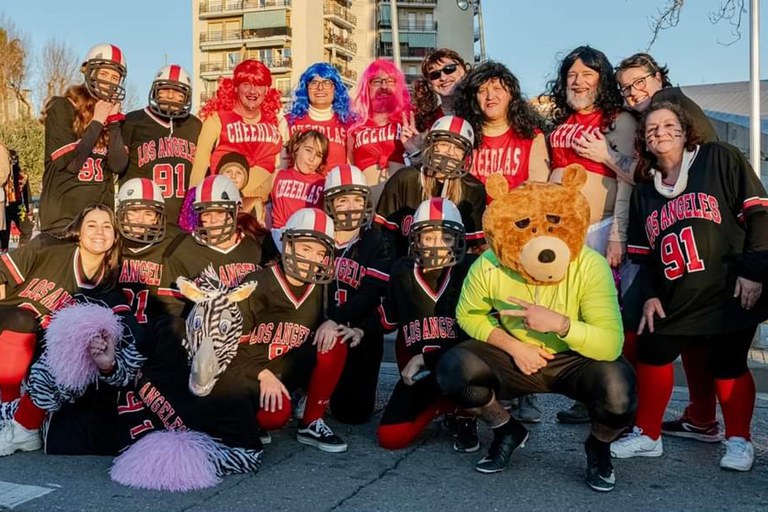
pixel 167 461
pixel 67 338
pixel 188 218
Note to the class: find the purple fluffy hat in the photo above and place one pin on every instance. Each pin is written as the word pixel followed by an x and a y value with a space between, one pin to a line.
pixel 168 461
pixel 67 338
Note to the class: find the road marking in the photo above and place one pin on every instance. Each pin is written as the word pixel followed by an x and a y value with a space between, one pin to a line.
pixel 13 495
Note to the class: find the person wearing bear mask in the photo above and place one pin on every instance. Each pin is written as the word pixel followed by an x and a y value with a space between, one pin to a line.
pixel 558 327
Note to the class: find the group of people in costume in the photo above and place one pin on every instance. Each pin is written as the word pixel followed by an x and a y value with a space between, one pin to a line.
pixel 252 260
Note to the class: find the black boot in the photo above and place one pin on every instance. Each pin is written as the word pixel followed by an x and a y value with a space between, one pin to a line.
pixel 506 439
pixel 466 435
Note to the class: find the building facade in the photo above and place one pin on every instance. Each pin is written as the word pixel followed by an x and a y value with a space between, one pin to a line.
pixel 290 35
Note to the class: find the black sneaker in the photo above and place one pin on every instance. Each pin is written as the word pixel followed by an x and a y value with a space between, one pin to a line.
pixel 451 424
pixel 600 475
pixel 466 435
pixel 320 435
pixel 576 414
pixel 506 439
pixel 264 436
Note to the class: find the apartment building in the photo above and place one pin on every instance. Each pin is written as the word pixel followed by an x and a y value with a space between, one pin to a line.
pixel 289 35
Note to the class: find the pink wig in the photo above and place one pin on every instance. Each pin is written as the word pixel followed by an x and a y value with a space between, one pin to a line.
pixel 362 100
pixel 252 72
pixel 168 461
pixel 67 338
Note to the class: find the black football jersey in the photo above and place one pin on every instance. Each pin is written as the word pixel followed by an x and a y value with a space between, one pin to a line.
pixel 697 243
pixel 43 276
pixel 402 195
pixel 279 316
pixel 185 257
pixel 422 307
pixel 141 272
pixel 362 274
pixel 65 193
pixel 162 152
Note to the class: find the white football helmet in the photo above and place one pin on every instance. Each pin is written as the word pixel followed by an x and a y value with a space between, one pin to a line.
pixel 309 225
pixel 347 179
pixel 140 194
pixel 172 77
pixel 440 217
pixel 216 193
pixel 106 56
pixel 453 130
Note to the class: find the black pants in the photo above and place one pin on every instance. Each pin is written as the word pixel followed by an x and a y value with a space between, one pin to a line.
pixel 354 399
pixel 13 214
pixel 727 352
pixel 473 372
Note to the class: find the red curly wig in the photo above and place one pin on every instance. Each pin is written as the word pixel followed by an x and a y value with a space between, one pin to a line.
pixel 249 71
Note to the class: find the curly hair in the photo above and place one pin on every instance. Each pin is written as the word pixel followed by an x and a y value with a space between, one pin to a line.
pixel 608 100
pixel 647 160
pixel 249 71
pixel 520 114
pixel 424 98
pixel 341 101
pixel 645 61
pixel 362 100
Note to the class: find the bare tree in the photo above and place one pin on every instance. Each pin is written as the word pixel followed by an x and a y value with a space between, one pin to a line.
pixel 131 101
pixel 58 68
pixel 13 66
pixel 729 11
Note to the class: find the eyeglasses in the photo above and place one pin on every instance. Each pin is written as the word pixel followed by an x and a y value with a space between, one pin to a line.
pixel 639 85
pixel 446 70
pixel 320 84
pixel 381 82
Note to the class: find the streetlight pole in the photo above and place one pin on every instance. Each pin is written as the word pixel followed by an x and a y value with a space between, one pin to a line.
pixel 395 33
pixel 754 85
pixel 480 28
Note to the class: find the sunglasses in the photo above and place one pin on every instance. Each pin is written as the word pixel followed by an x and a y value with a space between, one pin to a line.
pixel 446 70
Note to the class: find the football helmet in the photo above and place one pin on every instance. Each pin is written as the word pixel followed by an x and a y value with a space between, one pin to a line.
pixel 216 193
pixel 448 130
pixel 172 77
pixel 106 56
pixel 347 179
pixel 309 225
pixel 440 217
pixel 139 194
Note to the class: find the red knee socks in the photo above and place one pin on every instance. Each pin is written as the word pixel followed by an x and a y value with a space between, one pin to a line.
pixel 325 376
pixel 29 415
pixel 16 351
pixel 737 400
pixel 654 389
pixel 277 419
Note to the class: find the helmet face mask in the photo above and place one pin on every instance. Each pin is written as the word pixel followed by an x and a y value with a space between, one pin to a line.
pixel 436 255
pixel 305 269
pixel 349 220
pixel 442 165
pixel 137 231
pixel 217 234
pixel 171 78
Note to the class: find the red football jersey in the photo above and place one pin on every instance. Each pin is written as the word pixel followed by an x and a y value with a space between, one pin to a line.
pixel 333 129
pixel 260 143
pixel 507 154
pixel 561 142
pixel 373 144
pixel 292 191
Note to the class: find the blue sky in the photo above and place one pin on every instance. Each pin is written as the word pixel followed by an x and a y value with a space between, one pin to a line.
pixel 529 36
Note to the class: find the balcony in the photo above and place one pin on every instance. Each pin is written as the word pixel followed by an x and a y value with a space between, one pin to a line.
pixel 413 3
pixel 214 8
pixel 251 37
pixel 279 65
pixel 340 15
pixel 406 53
pixel 412 26
pixel 347 75
pixel 346 45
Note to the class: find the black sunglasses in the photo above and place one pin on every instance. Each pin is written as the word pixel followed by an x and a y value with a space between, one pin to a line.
pixel 446 70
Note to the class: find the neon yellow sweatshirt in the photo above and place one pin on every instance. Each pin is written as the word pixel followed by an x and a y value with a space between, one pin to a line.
pixel 587 296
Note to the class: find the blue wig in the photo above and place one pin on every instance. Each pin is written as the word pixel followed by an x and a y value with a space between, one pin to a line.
pixel 340 97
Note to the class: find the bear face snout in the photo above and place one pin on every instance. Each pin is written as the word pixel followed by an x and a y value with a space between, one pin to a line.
pixel 545 259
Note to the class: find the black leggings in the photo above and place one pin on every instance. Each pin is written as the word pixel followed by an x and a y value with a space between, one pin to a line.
pixel 473 372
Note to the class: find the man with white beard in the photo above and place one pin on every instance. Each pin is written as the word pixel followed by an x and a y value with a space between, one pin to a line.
pixel 593 129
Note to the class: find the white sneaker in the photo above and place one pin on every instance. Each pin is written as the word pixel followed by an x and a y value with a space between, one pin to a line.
pixel 14 438
pixel 739 455
pixel 636 444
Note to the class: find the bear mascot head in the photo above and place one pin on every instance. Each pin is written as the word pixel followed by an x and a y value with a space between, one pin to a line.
pixel 537 229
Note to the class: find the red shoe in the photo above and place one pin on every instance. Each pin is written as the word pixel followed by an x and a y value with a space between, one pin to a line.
pixel 685 427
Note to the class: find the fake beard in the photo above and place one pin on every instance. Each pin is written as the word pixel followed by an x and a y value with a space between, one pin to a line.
pixel 384 104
